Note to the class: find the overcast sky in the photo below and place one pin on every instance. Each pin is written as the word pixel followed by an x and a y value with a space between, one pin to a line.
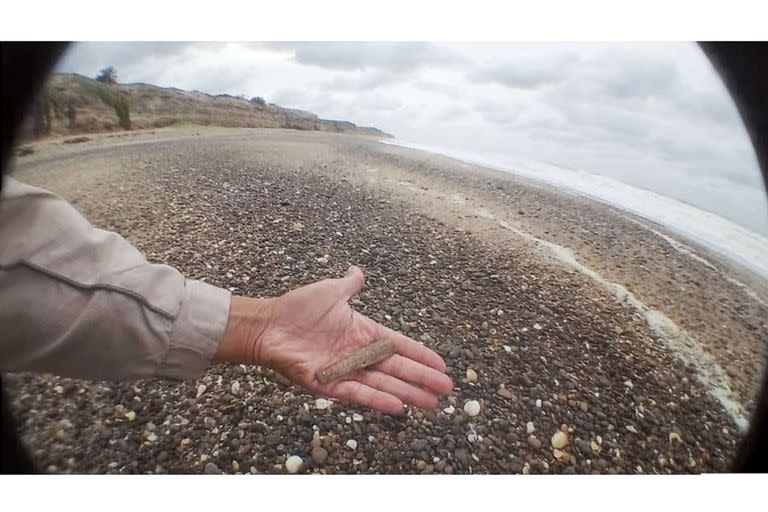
pixel 651 115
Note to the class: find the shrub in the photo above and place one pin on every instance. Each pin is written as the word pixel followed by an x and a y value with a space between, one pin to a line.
pixel 107 75
pixel 258 100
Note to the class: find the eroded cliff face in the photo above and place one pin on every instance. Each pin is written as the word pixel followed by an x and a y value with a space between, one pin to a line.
pixel 72 104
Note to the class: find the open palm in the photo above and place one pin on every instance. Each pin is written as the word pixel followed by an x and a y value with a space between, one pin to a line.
pixel 314 326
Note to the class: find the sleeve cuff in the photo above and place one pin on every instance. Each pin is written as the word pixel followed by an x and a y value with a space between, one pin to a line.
pixel 197 331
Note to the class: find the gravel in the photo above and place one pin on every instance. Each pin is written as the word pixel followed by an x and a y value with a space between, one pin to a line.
pixel 227 210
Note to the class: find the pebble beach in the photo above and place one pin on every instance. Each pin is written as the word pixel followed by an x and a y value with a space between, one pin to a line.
pixel 578 337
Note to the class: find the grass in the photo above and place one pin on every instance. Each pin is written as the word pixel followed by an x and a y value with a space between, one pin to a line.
pixel 110 97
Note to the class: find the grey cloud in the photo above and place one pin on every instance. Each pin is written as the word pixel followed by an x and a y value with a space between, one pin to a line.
pixel 89 57
pixel 371 102
pixel 516 77
pixel 638 78
pixel 439 87
pixel 708 107
pixel 395 57
pixel 526 73
pixel 452 113
pixel 368 81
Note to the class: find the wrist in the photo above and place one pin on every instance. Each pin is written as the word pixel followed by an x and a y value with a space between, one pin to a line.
pixel 248 320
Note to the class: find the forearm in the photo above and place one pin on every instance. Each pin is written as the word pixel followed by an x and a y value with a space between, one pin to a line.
pixel 83 302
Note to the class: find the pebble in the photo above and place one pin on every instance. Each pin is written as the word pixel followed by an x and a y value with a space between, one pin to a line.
pixel 152 437
pixel 236 388
pixel 472 408
pixel 319 455
pixel 471 375
pixel 559 439
pixel 293 464
pixel 352 444
pixel 538 402
pixel 200 390
pixel 506 393
pixel 357 417
pixel 209 422
pixel 58 389
pixel 530 428
pixel 582 445
pixel 322 404
pixel 534 442
pixel 462 456
pixel 211 469
pixel 130 415
pixel 235 466
pixel 449 410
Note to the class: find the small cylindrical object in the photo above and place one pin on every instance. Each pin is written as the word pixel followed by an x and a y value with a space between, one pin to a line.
pixel 369 355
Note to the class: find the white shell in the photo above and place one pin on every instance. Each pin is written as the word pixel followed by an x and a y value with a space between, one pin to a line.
pixel 293 464
pixel 472 408
pixel 559 439
pixel 322 404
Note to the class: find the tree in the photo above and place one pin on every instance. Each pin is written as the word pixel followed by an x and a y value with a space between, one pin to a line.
pixel 107 75
pixel 258 100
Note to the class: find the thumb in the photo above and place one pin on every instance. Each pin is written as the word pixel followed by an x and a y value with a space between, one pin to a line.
pixel 353 281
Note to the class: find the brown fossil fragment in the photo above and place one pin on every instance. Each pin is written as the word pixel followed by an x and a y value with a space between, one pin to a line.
pixel 369 355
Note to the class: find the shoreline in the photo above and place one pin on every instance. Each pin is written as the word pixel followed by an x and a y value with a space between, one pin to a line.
pixel 755 244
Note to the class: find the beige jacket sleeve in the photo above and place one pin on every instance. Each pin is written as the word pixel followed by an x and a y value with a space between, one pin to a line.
pixel 82 302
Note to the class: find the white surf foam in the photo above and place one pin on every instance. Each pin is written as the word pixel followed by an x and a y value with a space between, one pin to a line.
pixel 727 238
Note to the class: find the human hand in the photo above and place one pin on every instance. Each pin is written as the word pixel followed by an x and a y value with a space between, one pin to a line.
pixel 309 328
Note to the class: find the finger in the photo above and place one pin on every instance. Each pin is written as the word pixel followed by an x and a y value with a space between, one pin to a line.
pixel 367 396
pixel 416 373
pixel 409 348
pixel 353 281
pixel 406 392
